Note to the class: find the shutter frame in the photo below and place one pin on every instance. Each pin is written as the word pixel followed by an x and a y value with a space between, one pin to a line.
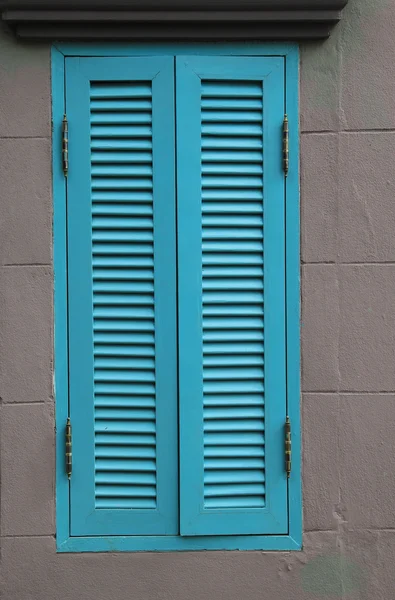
pixel 195 518
pixel 86 518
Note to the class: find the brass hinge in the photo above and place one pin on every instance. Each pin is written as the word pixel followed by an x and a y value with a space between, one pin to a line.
pixel 68 448
pixel 286 145
pixel 288 449
pixel 65 145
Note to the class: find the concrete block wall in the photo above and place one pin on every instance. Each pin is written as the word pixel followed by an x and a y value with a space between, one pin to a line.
pixel 348 345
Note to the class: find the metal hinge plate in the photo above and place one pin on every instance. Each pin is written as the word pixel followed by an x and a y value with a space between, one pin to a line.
pixel 288 448
pixel 68 448
pixel 65 145
pixel 286 145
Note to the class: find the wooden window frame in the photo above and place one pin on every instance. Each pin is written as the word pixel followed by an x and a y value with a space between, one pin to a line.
pixel 293 539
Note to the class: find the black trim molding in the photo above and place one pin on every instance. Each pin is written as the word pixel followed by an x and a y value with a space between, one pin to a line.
pixel 172 19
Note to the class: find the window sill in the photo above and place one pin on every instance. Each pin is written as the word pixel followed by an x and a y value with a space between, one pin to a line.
pixel 179 544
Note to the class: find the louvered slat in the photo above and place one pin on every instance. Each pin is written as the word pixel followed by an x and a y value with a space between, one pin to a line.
pixel 232 209
pixel 124 317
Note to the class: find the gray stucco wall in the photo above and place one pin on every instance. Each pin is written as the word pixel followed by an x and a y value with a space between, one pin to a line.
pixel 348 344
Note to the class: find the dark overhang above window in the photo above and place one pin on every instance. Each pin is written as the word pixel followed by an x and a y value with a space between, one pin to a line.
pixel 172 19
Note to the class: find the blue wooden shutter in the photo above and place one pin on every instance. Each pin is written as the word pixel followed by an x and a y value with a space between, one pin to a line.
pixel 122 299
pixel 231 276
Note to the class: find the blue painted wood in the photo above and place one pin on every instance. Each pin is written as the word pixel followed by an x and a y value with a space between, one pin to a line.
pixel 122 299
pixel 178 543
pixel 99 543
pixel 61 384
pixel 231 281
pixel 292 218
pixel 172 48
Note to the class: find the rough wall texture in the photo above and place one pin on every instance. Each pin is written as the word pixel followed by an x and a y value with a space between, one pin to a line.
pixel 348 275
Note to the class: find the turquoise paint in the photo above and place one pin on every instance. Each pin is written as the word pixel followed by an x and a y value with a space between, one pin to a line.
pixel 197 516
pixel 105 514
pixel 292 540
pixel 292 266
pixel 171 49
pixel 61 382
pixel 178 543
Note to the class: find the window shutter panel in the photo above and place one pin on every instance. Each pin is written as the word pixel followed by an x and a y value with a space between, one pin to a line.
pixel 231 245
pixel 122 299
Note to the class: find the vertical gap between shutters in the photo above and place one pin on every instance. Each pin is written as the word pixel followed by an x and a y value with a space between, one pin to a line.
pixel 177 319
